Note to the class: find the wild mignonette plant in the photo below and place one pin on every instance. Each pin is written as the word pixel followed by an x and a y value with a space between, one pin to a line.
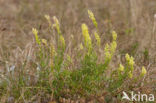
pixel 54 76
pixel 89 77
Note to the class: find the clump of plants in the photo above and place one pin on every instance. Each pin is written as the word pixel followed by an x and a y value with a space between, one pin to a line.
pixel 91 75
pixel 57 78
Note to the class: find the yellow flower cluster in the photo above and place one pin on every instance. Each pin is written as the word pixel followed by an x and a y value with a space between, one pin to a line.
pixel 92 17
pixel 114 35
pixel 107 52
pixel 87 38
pixel 81 46
pixel 35 32
pixel 113 47
pixel 130 75
pixel 48 19
pixel 110 49
pixel 62 41
pixel 130 61
pixel 57 25
pixel 143 72
pixel 98 39
pixel 44 41
pixel 121 68
pixel 127 57
pixel 113 44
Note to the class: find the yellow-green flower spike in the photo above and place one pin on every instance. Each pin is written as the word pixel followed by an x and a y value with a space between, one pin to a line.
pixel 62 41
pixel 81 46
pixel 57 25
pixel 47 17
pixel 107 52
pixel 52 50
pixel 87 39
pixel 113 47
pixel 106 49
pixel 131 61
pixel 98 39
pixel 121 68
pixel 130 75
pixel 35 32
pixel 114 35
pixel 108 56
pixel 127 57
pixel 143 72
pixel 44 41
pixel 92 17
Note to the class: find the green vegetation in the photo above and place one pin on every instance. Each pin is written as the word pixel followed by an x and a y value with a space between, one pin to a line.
pixel 56 75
